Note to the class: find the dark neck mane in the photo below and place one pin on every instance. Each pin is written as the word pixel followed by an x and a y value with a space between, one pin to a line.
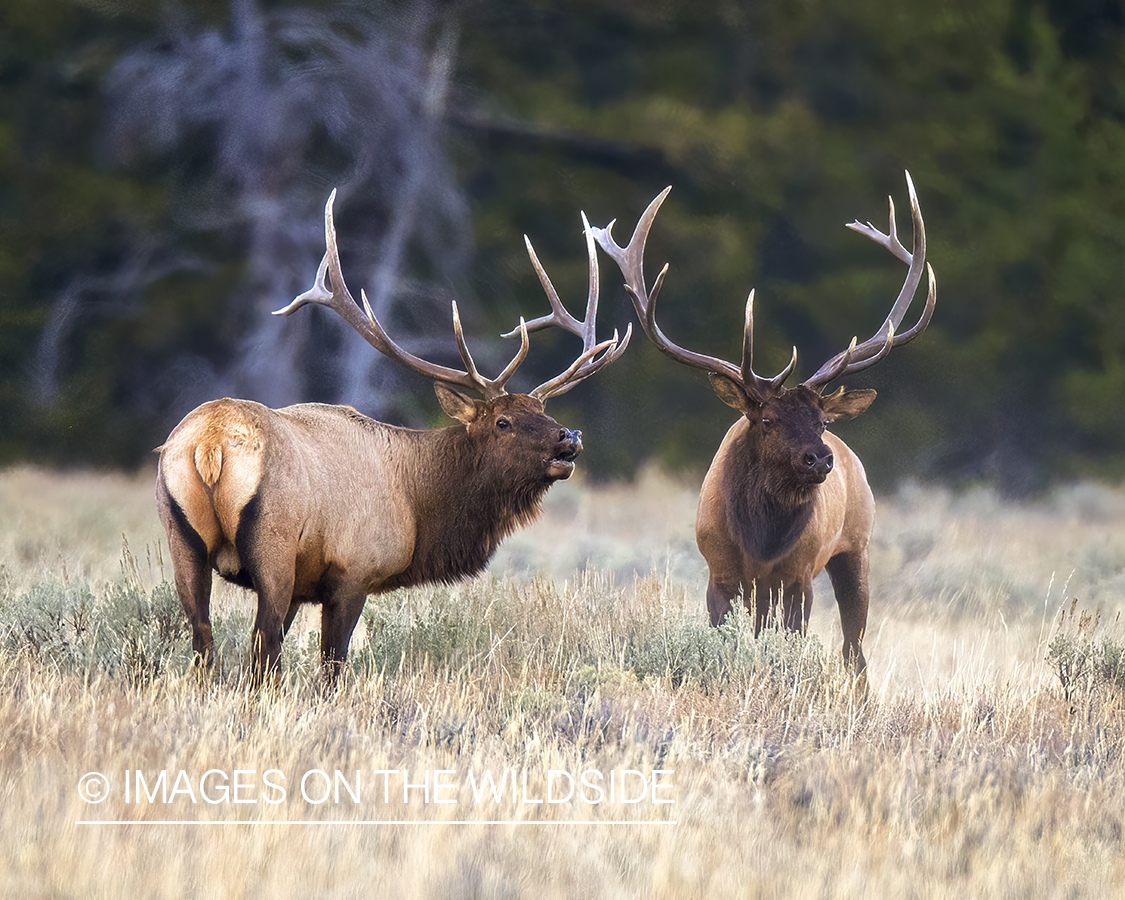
pixel 464 505
pixel 768 512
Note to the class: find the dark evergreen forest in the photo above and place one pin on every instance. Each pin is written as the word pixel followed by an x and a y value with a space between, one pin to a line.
pixel 164 168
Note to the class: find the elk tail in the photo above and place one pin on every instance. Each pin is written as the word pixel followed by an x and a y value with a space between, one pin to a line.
pixel 209 461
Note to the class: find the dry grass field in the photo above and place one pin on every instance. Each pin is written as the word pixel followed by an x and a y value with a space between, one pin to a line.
pixel 635 752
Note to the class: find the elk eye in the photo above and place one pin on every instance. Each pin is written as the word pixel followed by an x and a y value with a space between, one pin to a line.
pixel 766 422
pixel 503 424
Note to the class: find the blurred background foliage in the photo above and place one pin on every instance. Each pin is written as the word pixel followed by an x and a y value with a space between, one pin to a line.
pixel 164 168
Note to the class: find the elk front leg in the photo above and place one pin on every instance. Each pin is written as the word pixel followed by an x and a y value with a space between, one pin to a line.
pixel 339 615
pixel 724 557
pixel 294 608
pixel 796 605
pixel 720 591
pixel 848 572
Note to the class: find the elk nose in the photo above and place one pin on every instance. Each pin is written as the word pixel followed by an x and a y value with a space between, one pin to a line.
pixel 571 442
pixel 819 462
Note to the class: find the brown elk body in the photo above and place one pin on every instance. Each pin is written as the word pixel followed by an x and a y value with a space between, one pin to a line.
pixel 317 503
pixel 783 499
pixel 768 522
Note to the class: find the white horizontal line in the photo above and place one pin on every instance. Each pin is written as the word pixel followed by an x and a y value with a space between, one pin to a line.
pixel 385 822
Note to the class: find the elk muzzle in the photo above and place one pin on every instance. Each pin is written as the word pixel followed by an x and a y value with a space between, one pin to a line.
pixel 816 464
pixel 569 446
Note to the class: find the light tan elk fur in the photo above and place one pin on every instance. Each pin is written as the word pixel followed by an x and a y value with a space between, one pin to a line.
pixel 319 504
pixel 783 499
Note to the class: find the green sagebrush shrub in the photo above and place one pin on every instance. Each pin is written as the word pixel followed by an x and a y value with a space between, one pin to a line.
pixel 537 623
pixel 688 650
pixel 573 634
pixel 121 630
pixel 1087 664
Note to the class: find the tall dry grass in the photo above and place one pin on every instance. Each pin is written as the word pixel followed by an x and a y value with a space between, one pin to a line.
pixel 969 772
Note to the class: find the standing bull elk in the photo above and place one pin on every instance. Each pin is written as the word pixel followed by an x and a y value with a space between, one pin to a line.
pixel 784 499
pixel 319 504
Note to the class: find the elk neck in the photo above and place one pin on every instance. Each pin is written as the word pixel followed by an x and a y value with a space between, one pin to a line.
pixel 768 509
pixel 464 501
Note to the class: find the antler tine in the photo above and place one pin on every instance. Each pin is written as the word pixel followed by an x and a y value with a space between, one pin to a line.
pixel 764 387
pixel 585 366
pixel 594 355
pixel 846 365
pixel 913 259
pixel 927 311
pixel 859 357
pixel 329 289
pixel 489 387
pixel 630 260
pixel 559 315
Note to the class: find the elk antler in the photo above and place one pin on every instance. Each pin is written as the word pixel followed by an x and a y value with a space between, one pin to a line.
pixel 630 260
pixel 329 289
pixel 859 356
pixel 589 361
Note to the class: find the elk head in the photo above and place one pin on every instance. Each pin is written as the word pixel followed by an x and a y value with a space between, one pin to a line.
pixel 516 424
pixel 786 425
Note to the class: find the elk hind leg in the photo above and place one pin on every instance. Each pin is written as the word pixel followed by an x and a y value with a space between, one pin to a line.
pixel 274 601
pixel 191 567
pixel 848 572
pixel 271 567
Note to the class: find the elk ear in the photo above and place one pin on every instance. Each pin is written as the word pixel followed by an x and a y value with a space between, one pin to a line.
pixel 841 405
pixel 730 392
pixel 459 406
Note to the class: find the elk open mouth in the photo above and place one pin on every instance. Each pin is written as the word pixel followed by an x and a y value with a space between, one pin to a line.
pixel 562 465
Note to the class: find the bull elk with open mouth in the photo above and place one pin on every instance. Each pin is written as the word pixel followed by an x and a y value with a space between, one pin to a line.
pixel 319 504
pixel 783 498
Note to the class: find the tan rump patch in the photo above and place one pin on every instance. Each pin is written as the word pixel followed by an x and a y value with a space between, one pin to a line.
pixel 225 428
pixel 229 446
pixel 222 442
